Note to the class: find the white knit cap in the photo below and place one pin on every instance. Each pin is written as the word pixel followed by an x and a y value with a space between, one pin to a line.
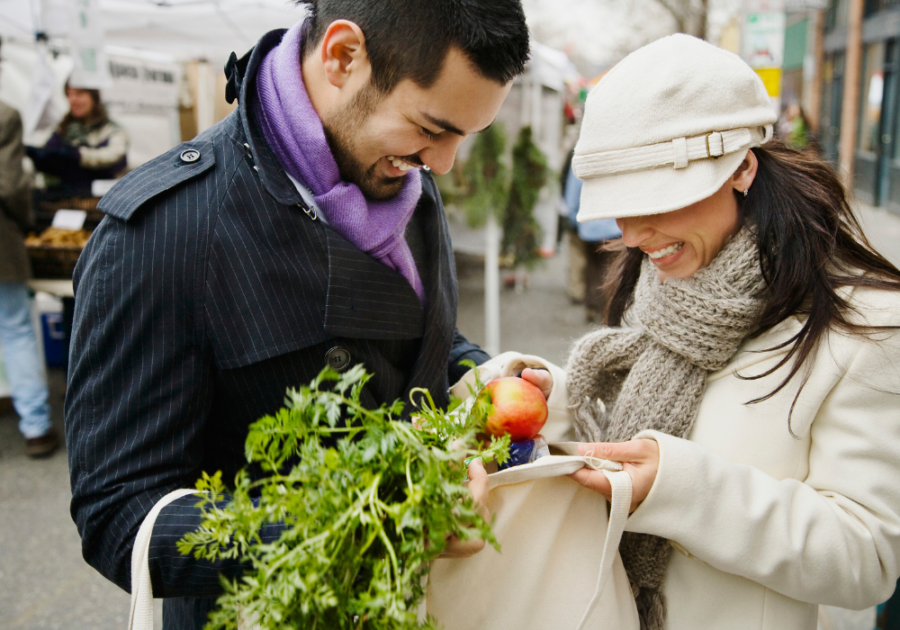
pixel 667 127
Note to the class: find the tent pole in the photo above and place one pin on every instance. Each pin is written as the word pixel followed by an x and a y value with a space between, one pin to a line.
pixel 492 286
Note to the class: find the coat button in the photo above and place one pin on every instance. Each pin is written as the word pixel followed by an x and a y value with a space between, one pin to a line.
pixel 338 359
pixel 189 156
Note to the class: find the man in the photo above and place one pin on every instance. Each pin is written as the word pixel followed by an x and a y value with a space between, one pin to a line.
pixel 21 357
pixel 303 230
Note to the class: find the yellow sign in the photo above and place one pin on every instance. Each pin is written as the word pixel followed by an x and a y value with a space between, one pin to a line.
pixel 771 78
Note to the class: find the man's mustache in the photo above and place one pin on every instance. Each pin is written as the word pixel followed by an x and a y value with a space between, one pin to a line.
pixel 412 159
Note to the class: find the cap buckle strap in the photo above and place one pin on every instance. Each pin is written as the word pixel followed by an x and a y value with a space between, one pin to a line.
pixel 678 152
pixel 721 147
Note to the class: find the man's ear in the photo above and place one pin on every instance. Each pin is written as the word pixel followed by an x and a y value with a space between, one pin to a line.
pixel 344 54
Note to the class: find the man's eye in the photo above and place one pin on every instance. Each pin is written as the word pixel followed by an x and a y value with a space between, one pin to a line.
pixel 430 134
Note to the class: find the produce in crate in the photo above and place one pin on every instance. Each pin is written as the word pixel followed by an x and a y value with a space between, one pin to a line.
pixel 367 501
pixel 58 237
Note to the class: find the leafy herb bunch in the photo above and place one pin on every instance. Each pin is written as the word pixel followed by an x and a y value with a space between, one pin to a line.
pixel 369 505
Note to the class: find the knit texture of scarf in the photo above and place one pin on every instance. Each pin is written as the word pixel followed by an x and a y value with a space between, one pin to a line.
pixel 294 131
pixel 652 375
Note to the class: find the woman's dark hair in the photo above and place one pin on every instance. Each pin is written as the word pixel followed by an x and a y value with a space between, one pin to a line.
pixel 98 113
pixel 810 245
pixel 409 39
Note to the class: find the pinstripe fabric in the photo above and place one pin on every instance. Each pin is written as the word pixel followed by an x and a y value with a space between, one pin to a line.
pixel 201 297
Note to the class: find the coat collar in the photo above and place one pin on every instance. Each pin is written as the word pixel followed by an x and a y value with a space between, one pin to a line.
pixel 241 85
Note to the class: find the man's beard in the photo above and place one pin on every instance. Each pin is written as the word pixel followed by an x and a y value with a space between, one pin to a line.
pixel 342 131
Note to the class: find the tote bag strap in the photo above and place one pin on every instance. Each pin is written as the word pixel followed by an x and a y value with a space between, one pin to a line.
pixel 141 616
pixel 618 514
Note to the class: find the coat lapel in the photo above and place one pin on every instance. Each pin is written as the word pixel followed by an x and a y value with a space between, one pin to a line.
pixel 439 278
pixel 366 298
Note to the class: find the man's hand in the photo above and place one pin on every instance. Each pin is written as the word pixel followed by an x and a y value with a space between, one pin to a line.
pixel 640 458
pixel 478 486
pixel 540 378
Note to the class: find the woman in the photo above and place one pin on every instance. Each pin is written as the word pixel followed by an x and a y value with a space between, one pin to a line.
pixel 749 372
pixel 86 146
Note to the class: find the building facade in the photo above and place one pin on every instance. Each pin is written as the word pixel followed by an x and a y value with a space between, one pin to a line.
pixel 876 159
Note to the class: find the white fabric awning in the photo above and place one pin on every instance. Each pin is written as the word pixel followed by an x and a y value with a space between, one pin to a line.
pixel 182 29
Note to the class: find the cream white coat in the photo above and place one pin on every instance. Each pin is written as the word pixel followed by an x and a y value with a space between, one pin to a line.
pixel 765 524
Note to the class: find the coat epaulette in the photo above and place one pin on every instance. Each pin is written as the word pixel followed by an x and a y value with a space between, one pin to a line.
pixel 184 162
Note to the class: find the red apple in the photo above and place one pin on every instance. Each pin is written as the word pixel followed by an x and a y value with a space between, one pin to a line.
pixel 520 408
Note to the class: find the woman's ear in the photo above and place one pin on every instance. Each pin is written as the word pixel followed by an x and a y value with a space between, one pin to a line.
pixel 746 172
pixel 344 54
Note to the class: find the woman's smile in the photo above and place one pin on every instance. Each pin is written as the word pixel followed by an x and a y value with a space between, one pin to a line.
pixel 664 255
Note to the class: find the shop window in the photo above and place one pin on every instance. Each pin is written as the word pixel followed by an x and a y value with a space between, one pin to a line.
pixel 836 14
pixel 872 97
pixel 874 6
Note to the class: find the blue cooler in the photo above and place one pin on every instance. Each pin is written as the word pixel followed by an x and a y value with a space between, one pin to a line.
pixel 54 338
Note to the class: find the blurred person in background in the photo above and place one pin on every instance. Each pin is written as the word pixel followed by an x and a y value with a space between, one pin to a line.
pixel 589 260
pixel 795 129
pixel 86 145
pixel 21 357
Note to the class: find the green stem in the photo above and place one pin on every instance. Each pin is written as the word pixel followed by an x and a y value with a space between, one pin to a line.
pixel 409 483
pixel 354 510
pixel 390 550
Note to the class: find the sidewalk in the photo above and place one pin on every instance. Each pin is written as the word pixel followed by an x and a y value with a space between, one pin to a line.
pixel 45 584
pixel 882 228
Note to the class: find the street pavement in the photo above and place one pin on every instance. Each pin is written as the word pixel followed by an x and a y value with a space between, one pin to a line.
pixel 46 585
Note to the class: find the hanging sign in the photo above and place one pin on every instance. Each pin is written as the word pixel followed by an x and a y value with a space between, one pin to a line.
pixel 141 84
pixel 762 43
pixel 86 35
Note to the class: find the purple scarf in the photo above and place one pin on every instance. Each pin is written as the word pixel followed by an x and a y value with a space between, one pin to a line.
pixel 292 128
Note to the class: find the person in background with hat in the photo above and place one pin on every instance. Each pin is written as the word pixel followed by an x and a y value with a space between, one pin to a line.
pixel 21 355
pixel 749 372
pixel 87 145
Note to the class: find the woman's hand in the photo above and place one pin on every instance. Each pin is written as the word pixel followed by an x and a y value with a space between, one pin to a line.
pixel 640 458
pixel 540 378
pixel 478 486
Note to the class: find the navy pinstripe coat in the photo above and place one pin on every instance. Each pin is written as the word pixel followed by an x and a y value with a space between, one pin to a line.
pixel 205 292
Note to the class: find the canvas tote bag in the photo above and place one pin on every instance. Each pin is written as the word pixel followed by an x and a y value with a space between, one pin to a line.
pixel 559 566
pixel 141 615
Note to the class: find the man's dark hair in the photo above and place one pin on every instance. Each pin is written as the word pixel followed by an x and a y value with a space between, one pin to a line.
pixel 409 39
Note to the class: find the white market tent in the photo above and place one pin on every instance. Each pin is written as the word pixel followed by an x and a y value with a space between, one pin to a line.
pixel 182 29
pixel 181 36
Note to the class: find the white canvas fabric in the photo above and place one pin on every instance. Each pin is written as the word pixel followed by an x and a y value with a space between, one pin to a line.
pixel 559 566
pixel 666 128
pixel 558 427
pixel 141 615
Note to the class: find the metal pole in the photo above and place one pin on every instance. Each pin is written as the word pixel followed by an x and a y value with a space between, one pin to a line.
pixel 814 100
pixel 850 103
pixel 492 286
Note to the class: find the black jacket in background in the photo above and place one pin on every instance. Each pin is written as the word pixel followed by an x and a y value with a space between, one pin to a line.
pixel 205 293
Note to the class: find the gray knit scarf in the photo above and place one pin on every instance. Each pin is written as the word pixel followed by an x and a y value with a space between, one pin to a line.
pixel 653 375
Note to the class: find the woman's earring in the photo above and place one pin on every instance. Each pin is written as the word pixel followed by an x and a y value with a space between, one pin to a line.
pixel 745 193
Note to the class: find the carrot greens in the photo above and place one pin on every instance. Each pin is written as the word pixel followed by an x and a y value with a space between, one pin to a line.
pixel 367 502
